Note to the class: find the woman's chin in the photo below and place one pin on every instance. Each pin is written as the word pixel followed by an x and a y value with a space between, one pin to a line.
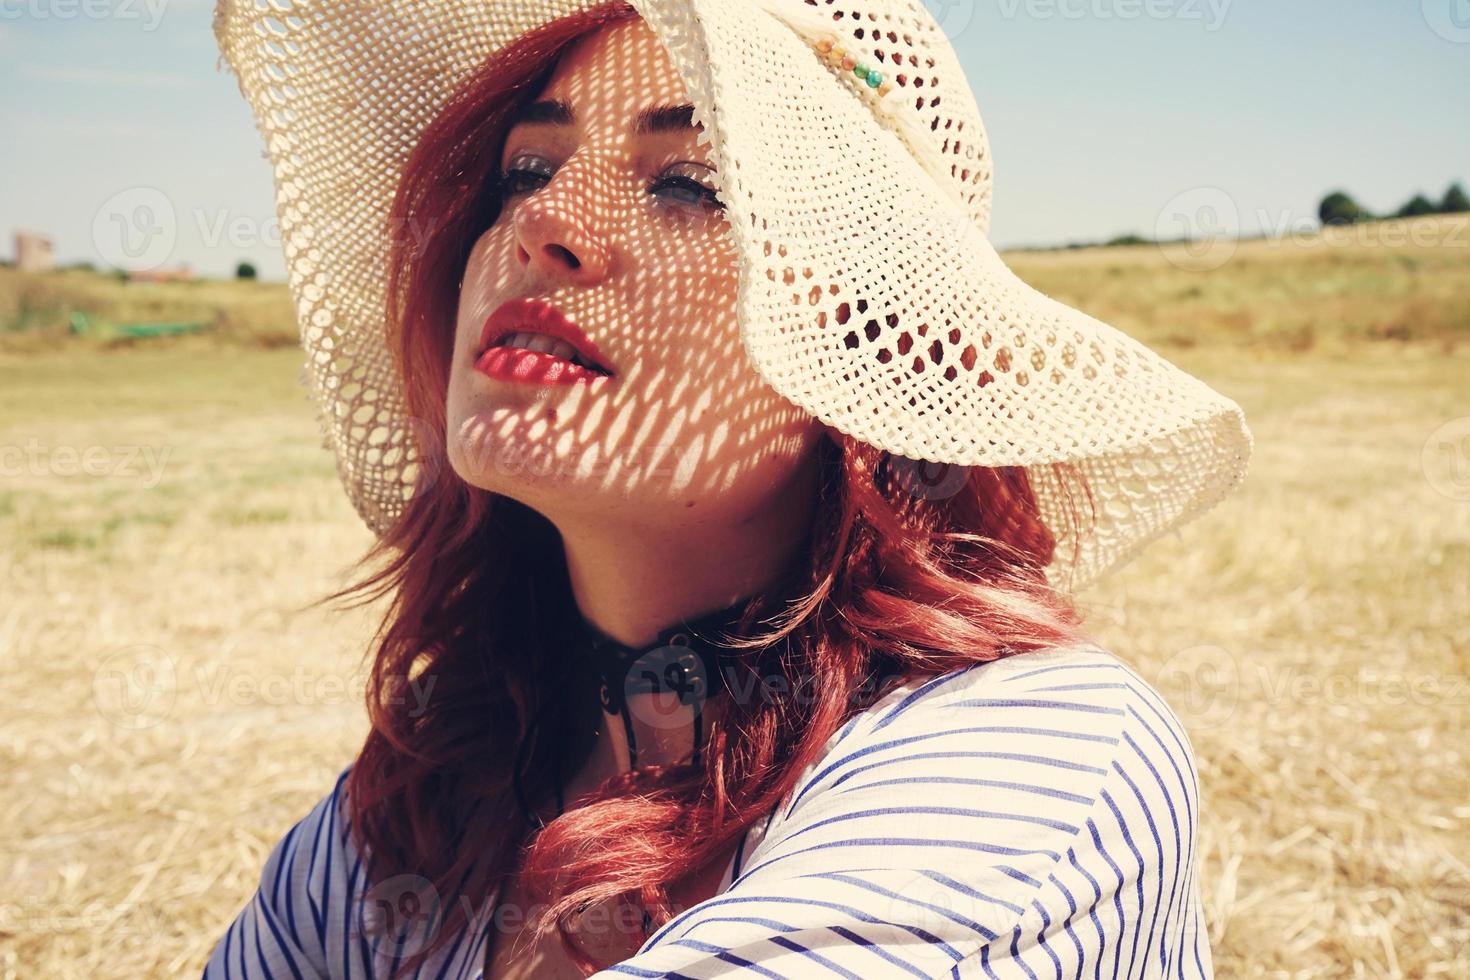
pixel 523 461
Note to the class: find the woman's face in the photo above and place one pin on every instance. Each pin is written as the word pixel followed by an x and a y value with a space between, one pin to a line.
pixel 614 221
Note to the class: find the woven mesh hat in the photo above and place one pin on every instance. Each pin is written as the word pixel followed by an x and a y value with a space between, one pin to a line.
pixel 858 195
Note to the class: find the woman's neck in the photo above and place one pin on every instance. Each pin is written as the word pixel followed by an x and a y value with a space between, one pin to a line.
pixel 631 582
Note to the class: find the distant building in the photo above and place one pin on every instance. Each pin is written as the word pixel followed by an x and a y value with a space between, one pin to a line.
pixel 180 273
pixel 34 252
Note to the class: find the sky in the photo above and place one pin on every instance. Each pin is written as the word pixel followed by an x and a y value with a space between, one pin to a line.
pixel 1105 117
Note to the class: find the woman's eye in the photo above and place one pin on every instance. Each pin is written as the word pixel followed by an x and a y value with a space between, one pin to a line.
pixel 673 186
pixel 512 180
pixel 687 190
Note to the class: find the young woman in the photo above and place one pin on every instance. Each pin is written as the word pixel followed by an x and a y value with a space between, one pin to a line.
pixel 741 657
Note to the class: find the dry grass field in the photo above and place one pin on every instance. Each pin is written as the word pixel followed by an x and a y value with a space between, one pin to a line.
pixel 165 507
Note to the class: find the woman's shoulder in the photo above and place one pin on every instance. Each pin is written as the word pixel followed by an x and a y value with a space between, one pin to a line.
pixel 300 921
pixel 317 850
pixel 320 843
pixel 988 809
pixel 1066 731
pixel 1079 688
pixel 1074 664
pixel 1078 693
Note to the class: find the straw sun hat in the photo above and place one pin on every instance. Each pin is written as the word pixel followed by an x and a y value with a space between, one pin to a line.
pixel 858 195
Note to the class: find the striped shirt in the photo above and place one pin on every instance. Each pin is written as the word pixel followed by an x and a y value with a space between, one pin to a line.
pixel 1032 817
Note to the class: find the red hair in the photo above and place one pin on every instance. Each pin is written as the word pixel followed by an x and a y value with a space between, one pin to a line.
pixel 892 583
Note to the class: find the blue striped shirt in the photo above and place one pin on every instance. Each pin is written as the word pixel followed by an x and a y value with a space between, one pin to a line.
pixel 1032 817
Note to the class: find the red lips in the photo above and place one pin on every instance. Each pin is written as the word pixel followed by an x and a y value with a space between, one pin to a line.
pixel 539 316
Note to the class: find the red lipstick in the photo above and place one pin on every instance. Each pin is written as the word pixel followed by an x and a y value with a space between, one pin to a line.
pixel 534 316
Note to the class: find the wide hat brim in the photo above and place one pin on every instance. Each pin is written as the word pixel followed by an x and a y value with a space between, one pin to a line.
pixel 869 292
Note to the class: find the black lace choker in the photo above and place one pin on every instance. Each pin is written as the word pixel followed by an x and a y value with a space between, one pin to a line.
pixel 686 659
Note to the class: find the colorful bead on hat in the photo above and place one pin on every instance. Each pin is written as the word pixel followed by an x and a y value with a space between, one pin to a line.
pixel 836 55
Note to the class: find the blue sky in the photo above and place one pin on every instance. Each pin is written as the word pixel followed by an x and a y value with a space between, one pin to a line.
pixel 1103 115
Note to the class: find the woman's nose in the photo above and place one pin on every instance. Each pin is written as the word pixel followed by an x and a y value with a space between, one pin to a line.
pixel 553 236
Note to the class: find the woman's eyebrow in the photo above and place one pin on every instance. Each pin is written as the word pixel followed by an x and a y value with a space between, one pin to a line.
pixel 654 119
pixel 665 119
pixel 554 112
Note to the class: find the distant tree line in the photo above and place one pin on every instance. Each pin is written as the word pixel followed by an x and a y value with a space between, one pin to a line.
pixel 1338 208
pixel 244 270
